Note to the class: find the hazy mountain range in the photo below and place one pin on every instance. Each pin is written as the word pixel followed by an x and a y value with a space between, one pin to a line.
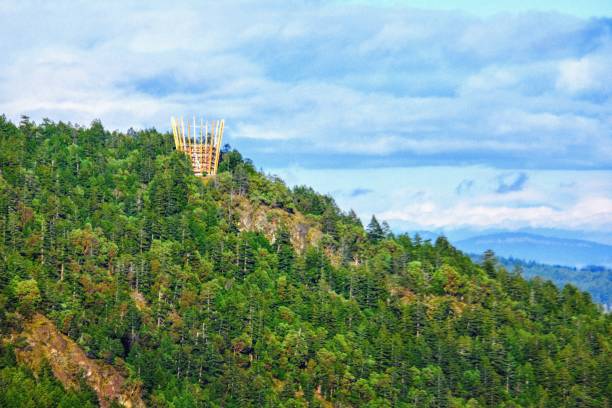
pixel 562 260
pixel 529 246
pixel 596 280
pixel 539 248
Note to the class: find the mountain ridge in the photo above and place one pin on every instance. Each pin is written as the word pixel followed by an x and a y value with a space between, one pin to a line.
pixel 242 292
pixel 540 248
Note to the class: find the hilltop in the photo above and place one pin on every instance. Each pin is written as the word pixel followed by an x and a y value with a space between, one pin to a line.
pixel 238 291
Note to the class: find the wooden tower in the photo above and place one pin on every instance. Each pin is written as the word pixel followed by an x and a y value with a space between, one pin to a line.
pixel 202 143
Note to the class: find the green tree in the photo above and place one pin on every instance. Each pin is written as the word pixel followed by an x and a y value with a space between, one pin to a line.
pixel 28 296
pixel 374 230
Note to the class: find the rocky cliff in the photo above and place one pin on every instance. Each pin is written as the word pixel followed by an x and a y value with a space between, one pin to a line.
pixel 41 341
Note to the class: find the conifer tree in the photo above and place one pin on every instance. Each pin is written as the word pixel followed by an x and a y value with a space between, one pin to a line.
pixel 374 230
pixel 202 297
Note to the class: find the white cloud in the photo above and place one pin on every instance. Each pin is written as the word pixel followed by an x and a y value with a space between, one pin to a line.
pixel 350 79
pixel 592 73
pixel 591 213
pixel 425 198
pixel 348 85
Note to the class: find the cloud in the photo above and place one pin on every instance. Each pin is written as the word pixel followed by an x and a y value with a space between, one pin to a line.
pixel 590 73
pixel 464 187
pixel 310 82
pixel 426 198
pixel 380 92
pixel 511 182
pixel 592 213
pixel 359 192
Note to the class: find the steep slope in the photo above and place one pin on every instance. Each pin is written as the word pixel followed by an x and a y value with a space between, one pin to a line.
pixel 263 219
pixel 241 292
pixel 45 344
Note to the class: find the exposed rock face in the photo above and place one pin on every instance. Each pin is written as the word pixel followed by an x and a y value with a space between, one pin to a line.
pixel 304 232
pixel 44 342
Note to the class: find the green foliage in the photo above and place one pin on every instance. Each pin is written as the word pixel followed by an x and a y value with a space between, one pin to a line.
pixel 374 230
pixel 309 201
pixel 27 296
pixel 144 265
pixel 596 280
pixel 19 388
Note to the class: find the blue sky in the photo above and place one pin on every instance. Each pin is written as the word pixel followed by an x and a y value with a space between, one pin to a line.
pixel 588 8
pixel 453 116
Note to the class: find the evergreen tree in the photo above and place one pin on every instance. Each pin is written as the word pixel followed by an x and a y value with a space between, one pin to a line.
pixel 374 230
pixel 489 262
pixel 239 291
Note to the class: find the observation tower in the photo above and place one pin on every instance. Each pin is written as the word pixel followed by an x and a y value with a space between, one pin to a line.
pixel 201 142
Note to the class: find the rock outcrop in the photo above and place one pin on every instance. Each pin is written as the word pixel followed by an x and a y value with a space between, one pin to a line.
pixel 41 341
pixel 304 232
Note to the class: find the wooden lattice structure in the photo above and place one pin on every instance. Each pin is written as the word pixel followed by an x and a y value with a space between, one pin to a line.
pixel 202 143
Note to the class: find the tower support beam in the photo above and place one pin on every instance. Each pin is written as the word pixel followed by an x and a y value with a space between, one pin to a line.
pixel 202 143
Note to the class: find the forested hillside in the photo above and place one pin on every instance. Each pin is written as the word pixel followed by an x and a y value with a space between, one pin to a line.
pixel 597 280
pixel 160 276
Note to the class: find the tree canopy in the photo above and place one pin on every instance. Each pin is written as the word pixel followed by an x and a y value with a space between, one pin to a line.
pixel 153 270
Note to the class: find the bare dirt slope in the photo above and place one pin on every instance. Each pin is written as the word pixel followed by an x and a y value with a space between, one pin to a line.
pixel 41 341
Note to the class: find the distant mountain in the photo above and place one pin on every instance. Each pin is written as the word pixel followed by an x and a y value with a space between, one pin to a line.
pixel 539 248
pixel 427 235
pixel 597 280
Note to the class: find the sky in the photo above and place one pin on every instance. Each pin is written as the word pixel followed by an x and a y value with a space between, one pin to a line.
pixel 461 117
